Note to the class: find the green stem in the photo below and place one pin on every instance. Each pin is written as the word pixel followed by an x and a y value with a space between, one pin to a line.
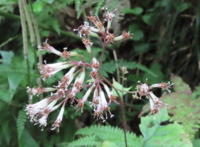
pixel 25 43
pixel 121 105
pixel 7 41
pixel 29 21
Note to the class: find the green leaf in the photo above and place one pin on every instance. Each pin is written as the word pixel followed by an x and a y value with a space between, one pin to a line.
pixel 86 141
pixel 6 131
pixel 141 47
pixel 137 31
pixel 144 68
pixel 165 135
pixel 21 122
pixel 7 56
pixel 109 134
pixel 150 19
pixel 26 140
pixel 119 86
pixel 136 11
pixel 14 79
pixel 183 108
pixel 108 144
pixel 196 142
pixel 181 6
pixel 56 26
pixel 38 6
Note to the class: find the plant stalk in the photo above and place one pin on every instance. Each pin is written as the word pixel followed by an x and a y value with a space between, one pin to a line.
pixel 121 105
pixel 25 43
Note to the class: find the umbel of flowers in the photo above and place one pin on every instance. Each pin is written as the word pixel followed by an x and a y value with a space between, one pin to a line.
pixel 72 82
pixel 145 90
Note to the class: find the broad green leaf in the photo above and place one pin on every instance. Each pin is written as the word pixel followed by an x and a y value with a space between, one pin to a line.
pixel 136 11
pixel 14 79
pixel 141 47
pixel 165 135
pixel 156 68
pixel 120 87
pixel 137 31
pixel 38 6
pixel 181 6
pixel 196 142
pixel 150 19
pixel 144 68
pixel 7 56
pixel 27 140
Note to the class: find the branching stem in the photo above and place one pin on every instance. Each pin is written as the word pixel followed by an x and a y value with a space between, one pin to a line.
pixel 122 107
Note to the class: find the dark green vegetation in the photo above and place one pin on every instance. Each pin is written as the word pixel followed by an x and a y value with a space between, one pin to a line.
pixel 165 42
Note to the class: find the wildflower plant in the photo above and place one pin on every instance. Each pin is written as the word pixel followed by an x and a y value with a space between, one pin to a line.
pixel 72 82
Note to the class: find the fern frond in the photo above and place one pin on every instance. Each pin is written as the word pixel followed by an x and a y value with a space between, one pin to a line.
pixel 21 122
pixel 113 134
pixel 86 141
pixel 98 7
pixel 77 7
pixel 185 110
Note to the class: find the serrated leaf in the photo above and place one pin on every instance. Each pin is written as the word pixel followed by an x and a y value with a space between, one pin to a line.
pixel 120 87
pixel 108 144
pixel 180 85
pixel 86 141
pixel 165 135
pixel 183 108
pixel 111 134
pixel 21 122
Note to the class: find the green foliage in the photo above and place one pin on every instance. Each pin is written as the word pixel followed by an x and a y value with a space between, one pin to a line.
pixel 183 108
pixel 119 86
pixel 27 140
pixel 110 67
pixel 165 40
pixel 153 132
pixel 86 141
pixel 138 32
pixel 98 6
pixel 196 142
pixel 95 135
pixel 136 11
pixel 163 135
pixel 21 120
